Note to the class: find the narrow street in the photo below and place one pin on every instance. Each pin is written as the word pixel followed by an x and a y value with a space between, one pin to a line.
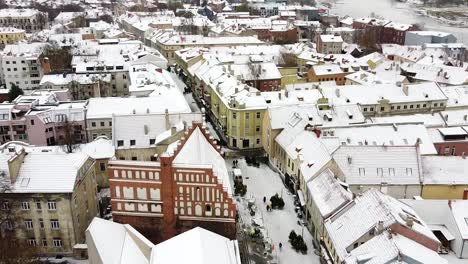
pixel 264 182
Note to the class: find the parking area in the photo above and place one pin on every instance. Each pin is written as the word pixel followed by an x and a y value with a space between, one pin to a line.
pixel 274 225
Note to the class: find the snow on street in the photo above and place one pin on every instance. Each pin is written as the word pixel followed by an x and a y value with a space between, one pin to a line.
pixel 262 182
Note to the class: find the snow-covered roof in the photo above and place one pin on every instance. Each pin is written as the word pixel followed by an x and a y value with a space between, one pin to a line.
pixel 144 128
pixel 107 106
pixel 373 94
pixel 379 135
pixel 364 215
pixel 35 176
pixel 114 243
pixel 100 148
pixel 429 120
pixel 199 246
pixel 391 165
pixel 198 150
pixel 388 248
pixel 331 38
pixel 445 170
pixel 327 193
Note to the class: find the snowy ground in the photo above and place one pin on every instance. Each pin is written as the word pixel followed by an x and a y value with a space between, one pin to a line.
pixel 278 223
pixel 188 97
pixel 452 259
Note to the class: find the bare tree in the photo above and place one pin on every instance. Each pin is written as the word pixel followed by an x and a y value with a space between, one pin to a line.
pixel 287 59
pixel 68 135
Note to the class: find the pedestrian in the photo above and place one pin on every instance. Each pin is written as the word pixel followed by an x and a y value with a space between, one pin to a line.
pixel 264 199
pixel 280 245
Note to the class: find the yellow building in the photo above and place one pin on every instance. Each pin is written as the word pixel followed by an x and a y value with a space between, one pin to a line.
pixel 444 177
pixel 11 35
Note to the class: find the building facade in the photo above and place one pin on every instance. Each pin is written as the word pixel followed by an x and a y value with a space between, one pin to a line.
pixel 164 198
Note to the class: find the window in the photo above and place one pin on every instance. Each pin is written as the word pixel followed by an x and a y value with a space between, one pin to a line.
pixel 5 205
pixel 54 224
pixel 57 242
pixel 208 208
pixel 41 223
pixel 52 205
pixel 25 205
pixel 258 115
pixel 409 171
pixel 391 171
pixel 8 225
pixel 258 141
pixel 134 158
pixel 365 109
pixel 382 109
pixel 44 242
pixel 93 124
pixel 28 223
pixel 32 242
pixel 398 107
pixel 234 115
pixel 453 151
pixel 132 142
pixel 120 143
pixel 257 129
pixel 247 115
pixel 32 122
pixel 152 141
pixel 38 205
pixel 379 172
pixel 102 166
pixel 362 172
pixel 103 124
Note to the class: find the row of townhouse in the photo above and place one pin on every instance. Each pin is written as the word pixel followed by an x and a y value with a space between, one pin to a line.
pixel 337 163
pixel 99 68
pixel 238 110
pixel 30 20
pixel 383 31
pixel 46 118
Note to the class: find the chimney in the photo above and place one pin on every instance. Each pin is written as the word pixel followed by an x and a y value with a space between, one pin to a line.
pixel 409 221
pixel 279 95
pixel 405 89
pixel 168 122
pixel 46 65
pixel 14 164
pixel 380 227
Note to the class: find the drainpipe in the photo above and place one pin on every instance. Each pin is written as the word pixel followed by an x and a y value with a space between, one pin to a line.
pixel 461 251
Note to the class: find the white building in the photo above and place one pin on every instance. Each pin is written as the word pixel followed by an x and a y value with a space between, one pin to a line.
pixel 113 243
pixel 22 65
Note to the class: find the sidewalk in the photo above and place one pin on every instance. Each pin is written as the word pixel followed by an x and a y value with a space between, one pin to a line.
pixel 262 182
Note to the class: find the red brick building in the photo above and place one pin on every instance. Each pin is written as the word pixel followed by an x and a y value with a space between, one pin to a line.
pixel 450 141
pixel 396 33
pixel 184 189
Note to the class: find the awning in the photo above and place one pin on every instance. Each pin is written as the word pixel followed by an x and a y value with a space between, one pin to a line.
pixel 301 197
pixel 443 230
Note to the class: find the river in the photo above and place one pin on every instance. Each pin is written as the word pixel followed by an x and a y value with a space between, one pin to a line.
pixel 395 11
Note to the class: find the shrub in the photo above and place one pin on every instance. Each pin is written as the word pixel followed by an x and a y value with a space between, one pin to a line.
pixel 292 236
pixel 297 242
pixel 277 202
pixel 240 189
